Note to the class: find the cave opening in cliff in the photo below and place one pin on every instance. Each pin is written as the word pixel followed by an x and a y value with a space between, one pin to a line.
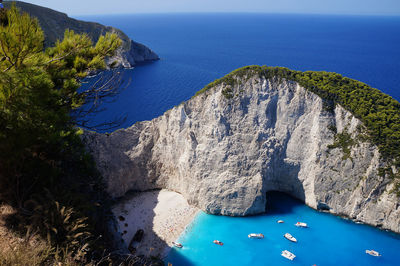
pixel 280 202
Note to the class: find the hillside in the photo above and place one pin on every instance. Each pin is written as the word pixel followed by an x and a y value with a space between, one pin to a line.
pixel 259 129
pixel 55 23
pixel 379 112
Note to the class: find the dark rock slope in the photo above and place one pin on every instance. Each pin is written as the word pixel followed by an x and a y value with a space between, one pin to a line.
pixel 55 23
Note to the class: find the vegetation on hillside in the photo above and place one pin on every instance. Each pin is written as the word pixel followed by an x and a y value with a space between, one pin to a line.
pixel 344 141
pixel 379 112
pixel 46 176
pixel 54 23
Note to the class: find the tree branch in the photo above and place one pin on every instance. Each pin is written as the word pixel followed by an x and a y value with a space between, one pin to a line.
pixel 106 88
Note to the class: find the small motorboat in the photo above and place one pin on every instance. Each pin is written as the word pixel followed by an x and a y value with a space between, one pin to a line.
pixel 218 242
pixel 300 224
pixel 280 222
pixel 287 254
pixel 253 235
pixel 178 245
pixel 373 253
pixel 290 237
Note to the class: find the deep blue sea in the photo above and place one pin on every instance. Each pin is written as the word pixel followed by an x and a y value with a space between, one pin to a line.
pixel 196 49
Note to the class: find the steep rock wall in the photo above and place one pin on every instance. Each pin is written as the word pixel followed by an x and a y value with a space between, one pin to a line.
pixel 225 151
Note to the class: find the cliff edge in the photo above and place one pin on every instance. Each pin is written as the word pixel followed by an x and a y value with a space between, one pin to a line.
pixel 248 134
pixel 55 23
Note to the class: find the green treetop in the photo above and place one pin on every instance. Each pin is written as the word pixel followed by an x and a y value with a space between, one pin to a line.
pixel 41 156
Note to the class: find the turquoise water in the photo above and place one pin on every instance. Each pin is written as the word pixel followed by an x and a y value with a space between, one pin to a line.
pixel 329 240
pixel 196 49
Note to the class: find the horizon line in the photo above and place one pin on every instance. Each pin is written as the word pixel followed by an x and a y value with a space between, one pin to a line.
pixel 239 12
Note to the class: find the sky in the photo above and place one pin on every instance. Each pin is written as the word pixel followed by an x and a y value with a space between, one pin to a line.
pixel 94 7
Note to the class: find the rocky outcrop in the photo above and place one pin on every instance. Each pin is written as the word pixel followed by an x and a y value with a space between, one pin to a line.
pixel 224 152
pixel 55 23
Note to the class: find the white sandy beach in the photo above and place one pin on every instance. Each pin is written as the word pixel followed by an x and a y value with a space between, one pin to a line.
pixel 162 214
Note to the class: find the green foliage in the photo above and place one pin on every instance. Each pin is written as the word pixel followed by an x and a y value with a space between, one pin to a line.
pixel 328 106
pixel 229 79
pixel 332 128
pixel 20 39
pixel 45 172
pixel 343 141
pixel 379 112
pixel 3 17
pixel 227 92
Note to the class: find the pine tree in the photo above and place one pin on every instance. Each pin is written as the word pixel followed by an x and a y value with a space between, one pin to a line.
pixel 41 155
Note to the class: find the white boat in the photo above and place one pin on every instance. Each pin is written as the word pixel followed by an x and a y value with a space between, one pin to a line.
pixel 287 254
pixel 290 237
pixel 300 224
pixel 373 253
pixel 253 235
pixel 178 245
pixel 280 222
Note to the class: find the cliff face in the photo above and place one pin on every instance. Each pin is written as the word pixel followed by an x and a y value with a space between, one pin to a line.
pixel 55 23
pixel 225 152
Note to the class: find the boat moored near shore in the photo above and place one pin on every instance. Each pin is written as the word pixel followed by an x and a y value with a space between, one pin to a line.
pixel 301 224
pixel 218 242
pixel 287 254
pixel 253 235
pixel 290 237
pixel 373 253
pixel 178 245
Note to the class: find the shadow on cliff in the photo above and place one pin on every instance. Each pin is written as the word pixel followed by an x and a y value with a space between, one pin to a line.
pixel 280 182
pixel 133 216
pixel 281 203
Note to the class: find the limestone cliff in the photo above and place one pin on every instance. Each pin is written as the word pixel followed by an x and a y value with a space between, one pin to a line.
pixel 55 23
pixel 227 147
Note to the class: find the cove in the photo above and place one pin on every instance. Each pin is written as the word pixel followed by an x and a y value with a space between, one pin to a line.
pixel 195 49
pixel 329 240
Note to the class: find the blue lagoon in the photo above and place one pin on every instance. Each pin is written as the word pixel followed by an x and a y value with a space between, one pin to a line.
pixel 196 49
pixel 329 240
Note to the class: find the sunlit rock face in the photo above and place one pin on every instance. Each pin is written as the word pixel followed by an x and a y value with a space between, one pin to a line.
pixel 223 153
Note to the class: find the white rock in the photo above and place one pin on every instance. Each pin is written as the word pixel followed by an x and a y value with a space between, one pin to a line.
pixel 224 155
